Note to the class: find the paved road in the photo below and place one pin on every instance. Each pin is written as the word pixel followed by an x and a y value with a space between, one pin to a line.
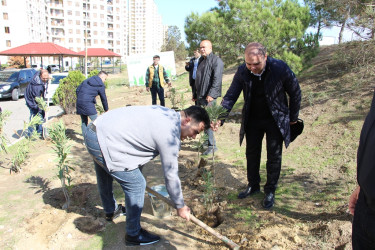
pixel 20 113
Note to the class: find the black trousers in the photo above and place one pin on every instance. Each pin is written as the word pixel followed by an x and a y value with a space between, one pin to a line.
pixel 160 92
pixel 255 131
pixel 363 236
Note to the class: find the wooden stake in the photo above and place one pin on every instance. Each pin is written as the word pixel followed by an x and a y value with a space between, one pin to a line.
pixel 198 222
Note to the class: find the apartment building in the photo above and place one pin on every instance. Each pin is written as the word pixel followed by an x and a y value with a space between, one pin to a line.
pixel 123 26
pixel 146 30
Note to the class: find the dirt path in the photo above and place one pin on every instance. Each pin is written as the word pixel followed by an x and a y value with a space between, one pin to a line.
pixel 31 216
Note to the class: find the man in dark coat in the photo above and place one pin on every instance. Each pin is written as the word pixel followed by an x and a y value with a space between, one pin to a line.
pixel 362 200
pixel 265 81
pixel 208 84
pixel 36 88
pixel 192 67
pixel 87 92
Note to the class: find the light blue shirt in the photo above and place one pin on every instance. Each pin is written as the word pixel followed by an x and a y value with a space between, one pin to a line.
pixel 195 67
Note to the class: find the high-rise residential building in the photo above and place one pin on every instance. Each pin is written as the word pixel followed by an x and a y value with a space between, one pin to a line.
pixel 125 27
pixel 146 32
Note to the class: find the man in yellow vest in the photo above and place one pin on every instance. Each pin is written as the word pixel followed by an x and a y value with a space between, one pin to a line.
pixel 156 77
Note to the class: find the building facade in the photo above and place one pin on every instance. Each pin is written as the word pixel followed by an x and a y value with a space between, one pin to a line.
pixel 125 27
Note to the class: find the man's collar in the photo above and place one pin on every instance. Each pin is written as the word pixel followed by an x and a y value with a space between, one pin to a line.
pixel 261 73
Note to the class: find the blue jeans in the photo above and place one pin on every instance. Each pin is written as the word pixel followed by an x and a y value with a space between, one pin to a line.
pixel 39 127
pixel 211 138
pixel 85 121
pixel 160 92
pixel 132 183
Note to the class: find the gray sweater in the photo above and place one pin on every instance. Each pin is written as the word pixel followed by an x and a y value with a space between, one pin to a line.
pixel 130 137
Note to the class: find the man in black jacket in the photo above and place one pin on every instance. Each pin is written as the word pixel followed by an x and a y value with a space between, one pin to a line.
pixel 192 67
pixel 208 84
pixel 362 200
pixel 265 81
pixel 36 88
pixel 87 92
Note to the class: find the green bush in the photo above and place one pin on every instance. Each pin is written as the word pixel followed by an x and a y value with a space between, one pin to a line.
pixel 65 95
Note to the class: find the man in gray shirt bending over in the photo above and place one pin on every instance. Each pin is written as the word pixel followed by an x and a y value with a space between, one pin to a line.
pixel 124 139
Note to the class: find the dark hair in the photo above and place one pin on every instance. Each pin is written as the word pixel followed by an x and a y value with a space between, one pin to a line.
pixel 102 72
pixel 156 56
pixel 199 114
pixel 42 71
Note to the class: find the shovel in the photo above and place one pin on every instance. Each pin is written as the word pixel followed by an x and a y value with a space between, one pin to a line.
pixel 198 222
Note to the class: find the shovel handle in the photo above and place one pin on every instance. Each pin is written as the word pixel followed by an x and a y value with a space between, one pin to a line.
pixel 196 221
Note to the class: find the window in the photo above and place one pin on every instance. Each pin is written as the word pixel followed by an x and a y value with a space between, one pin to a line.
pixel 70 22
pixel 78 31
pixel 101 16
pixel 70 40
pixel 95 41
pixel 78 40
pixel 7 31
pixel 95 15
pixel 77 13
pixel 78 22
pixel 95 32
pixel 102 7
pixel 29 74
pixel 70 31
pixel 70 3
pixel 102 41
pixel 95 24
pixel 70 12
pixel 4 2
pixel 8 43
pixel 5 16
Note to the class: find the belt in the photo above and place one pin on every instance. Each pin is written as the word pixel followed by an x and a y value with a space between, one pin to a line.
pixel 92 127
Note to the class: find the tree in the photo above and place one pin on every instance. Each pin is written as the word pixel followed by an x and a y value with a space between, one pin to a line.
pixel 277 24
pixel 173 43
pixel 17 62
pixel 320 16
pixel 363 24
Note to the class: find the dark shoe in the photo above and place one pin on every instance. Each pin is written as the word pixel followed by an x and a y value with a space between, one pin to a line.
pixel 268 201
pixel 143 238
pixel 209 151
pixel 248 191
pixel 120 210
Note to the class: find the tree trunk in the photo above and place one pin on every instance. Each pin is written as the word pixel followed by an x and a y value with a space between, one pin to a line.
pixel 342 31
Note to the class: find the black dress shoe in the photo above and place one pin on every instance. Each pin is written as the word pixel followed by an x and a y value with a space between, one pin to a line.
pixel 143 238
pixel 268 201
pixel 250 190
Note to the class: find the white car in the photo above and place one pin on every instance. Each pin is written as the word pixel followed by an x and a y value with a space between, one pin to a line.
pixel 53 84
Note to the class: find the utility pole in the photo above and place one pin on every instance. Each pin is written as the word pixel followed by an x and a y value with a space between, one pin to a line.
pixel 86 40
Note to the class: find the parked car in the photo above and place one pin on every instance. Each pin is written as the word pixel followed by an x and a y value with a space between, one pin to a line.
pixel 54 67
pixel 53 84
pixel 13 83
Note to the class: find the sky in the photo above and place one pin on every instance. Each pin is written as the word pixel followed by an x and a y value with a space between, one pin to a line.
pixel 174 12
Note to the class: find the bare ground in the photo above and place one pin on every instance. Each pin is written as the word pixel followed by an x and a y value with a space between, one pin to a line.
pixel 310 210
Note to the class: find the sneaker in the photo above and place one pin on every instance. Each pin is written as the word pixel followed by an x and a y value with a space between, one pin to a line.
pixel 209 150
pixel 143 238
pixel 120 210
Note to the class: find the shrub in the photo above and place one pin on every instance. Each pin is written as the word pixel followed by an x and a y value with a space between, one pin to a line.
pixel 65 94
pixel 356 54
pixel 61 146
pixel 4 115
